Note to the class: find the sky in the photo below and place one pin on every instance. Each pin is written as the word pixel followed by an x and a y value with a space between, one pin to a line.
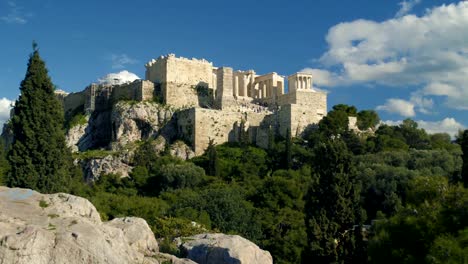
pixel 404 59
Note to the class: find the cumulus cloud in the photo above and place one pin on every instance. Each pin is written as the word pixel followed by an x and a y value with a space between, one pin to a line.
pixel 406 7
pixel 119 61
pixel 447 125
pixel 5 108
pixel 118 78
pixel 15 14
pixel 427 53
pixel 408 108
pixel 398 106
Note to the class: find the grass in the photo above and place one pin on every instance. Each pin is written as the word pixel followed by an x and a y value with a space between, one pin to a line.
pixel 79 119
pixel 43 204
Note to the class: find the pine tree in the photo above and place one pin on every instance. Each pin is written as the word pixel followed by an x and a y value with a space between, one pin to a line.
pixel 39 157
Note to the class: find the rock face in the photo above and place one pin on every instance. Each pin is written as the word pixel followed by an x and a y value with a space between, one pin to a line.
pixel 75 137
pixel 61 228
pixel 223 249
pixel 180 150
pixel 93 168
pixel 132 122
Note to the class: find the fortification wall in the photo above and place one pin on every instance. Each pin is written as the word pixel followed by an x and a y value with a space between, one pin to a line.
pixel 179 79
pixel 303 118
pixel 124 92
pixel 73 101
pixel 198 125
pixel 156 70
pixel 145 91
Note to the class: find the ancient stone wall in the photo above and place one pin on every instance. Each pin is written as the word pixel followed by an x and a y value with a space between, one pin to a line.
pixel 146 91
pixel 224 91
pixel 180 79
pixel 73 101
pixel 124 92
pixel 198 126
pixel 300 110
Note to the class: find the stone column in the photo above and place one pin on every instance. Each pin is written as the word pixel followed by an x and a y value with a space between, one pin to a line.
pixel 236 85
pixel 244 86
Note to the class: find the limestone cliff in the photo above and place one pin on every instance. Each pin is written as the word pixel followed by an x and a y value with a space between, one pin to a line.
pixel 118 130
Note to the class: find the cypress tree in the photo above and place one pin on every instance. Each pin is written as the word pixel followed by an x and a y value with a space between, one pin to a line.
pixel 463 141
pixel 213 161
pixel 288 150
pixel 39 157
pixel 331 204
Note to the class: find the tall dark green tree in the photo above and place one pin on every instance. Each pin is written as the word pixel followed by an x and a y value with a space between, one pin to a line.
pixel 213 160
pixel 288 150
pixel 39 157
pixel 332 205
pixel 4 166
pixel 463 141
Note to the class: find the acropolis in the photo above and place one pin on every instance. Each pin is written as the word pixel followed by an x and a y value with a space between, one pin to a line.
pixel 215 103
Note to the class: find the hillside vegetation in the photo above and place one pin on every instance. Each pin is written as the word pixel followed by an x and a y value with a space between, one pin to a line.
pixel 392 194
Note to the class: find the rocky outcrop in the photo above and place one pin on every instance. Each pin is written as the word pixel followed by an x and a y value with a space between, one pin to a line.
pixel 223 249
pixel 137 121
pixel 180 150
pixel 94 168
pixel 76 137
pixel 61 228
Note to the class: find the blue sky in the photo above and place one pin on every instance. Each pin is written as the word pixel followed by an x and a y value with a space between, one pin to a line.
pixel 403 59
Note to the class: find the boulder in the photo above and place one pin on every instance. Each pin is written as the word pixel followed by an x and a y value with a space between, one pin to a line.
pixel 223 249
pixel 60 228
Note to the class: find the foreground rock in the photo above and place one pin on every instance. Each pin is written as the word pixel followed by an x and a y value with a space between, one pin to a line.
pixel 62 228
pixel 223 249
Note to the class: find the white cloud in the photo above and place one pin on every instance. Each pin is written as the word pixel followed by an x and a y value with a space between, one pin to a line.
pixel 447 125
pixel 118 78
pixel 417 103
pixel 406 7
pixel 323 77
pixel 15 14
pixel 427 53
pixel 421 103
pixel 119 61
pixel 5 108
pixel 398 106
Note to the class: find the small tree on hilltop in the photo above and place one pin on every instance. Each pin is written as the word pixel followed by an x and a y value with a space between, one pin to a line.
pixel 213 161
pixel 39 157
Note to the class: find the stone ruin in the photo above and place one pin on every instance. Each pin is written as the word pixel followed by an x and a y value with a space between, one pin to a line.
pixel 214 103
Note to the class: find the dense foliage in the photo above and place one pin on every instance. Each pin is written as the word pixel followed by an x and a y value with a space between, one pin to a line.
pixel 39 157
pixel 386 194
